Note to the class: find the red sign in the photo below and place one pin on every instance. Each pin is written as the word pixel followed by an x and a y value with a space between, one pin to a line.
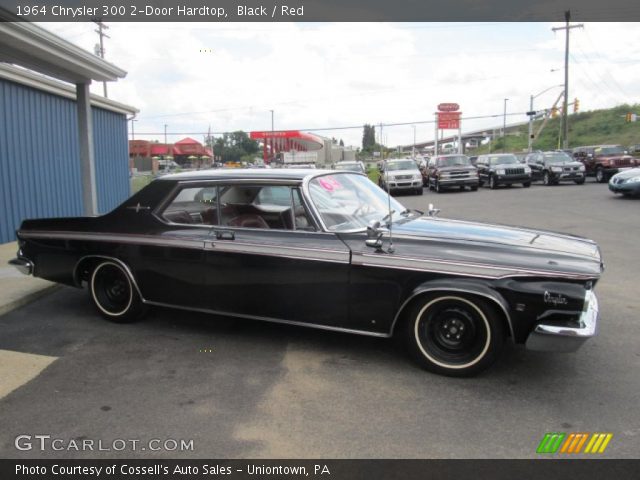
pixel 449 120
pixel 448 107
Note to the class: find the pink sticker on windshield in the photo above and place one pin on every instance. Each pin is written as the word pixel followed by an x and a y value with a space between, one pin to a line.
pixel 329 183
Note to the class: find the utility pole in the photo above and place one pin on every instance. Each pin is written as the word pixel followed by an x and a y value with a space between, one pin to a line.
pixel 100 48
pixel 504 126
pixel 413 150
pixel 565 106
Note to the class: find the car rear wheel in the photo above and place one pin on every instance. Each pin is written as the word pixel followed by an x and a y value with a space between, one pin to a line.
pixel 454 335
pixel 113 293
pixel 600 176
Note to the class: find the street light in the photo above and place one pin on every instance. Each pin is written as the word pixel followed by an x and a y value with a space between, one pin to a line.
pixel 531 114
pixel 166 148
pixel 504 126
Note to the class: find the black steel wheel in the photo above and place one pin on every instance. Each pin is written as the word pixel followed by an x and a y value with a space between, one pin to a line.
pixel 453 334
pixel 114 294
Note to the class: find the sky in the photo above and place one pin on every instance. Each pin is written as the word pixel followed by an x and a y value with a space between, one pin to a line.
pixel 229 76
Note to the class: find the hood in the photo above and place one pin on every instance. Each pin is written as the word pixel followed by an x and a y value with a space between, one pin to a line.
pixel 566 164
pixel 501 246
pixel 625 174
pixel 453 168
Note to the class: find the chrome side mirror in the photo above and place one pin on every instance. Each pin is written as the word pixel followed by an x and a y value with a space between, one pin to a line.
pixel 374 235
pixel 433 212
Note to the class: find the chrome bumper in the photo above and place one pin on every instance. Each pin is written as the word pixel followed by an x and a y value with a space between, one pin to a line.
pixel 558 338
pixel 22 265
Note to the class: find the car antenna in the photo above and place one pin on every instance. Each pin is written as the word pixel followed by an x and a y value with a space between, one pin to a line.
pixel 391 212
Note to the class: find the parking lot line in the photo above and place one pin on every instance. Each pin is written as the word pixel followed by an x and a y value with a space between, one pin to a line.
pixel 17 368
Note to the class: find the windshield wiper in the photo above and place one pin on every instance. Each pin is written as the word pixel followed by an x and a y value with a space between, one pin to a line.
pixel 410 211
pixel 387 218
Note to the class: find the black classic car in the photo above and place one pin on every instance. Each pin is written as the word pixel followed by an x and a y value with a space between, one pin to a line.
pixel 446 171
pixel 329 250
pixel 555 167
pixel 497 169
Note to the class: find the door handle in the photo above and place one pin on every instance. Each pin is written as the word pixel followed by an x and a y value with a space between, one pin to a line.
pixel 225 235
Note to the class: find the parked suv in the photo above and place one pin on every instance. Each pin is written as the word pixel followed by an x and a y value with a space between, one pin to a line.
pixel 502 169
pixel 603 161
pixel 401 174
pixel 555 167
pixel 447 171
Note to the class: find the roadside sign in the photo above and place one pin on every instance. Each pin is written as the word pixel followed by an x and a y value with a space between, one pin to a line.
pixel 448 107
pixel 449 120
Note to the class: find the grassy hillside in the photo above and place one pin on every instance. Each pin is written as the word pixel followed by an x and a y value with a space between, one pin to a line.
pixel 587 128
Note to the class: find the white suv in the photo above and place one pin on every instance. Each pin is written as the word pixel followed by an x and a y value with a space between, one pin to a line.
pixel 401 174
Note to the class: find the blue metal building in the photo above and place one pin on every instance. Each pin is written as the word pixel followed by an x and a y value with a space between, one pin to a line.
pixel 63 152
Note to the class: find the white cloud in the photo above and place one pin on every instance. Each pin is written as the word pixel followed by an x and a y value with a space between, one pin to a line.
pixel 321 75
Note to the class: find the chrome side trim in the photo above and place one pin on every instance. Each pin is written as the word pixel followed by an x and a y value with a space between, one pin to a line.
pixel 166 241
pixel 22 264
pixel 456 268
pixel 494 299
pixel 124 266
pixel 559 338
pixel 300 253
pixel 314 254
pixel 272 320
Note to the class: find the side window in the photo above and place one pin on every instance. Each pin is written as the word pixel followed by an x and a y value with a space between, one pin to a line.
pixel 193 206
pixel 277 207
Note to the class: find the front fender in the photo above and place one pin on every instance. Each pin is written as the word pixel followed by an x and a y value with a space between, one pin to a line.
pixel 469 286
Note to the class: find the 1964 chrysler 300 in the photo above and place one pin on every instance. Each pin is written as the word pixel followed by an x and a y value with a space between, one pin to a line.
pixel 329 250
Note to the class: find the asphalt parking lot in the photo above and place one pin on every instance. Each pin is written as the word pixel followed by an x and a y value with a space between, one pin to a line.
pixel 243 389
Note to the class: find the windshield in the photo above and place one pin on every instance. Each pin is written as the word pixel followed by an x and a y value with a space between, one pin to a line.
pixel 610 151
pixel 354 167
pixel 557 157
pixel 502 159
pixel 402 165
pixel 455 161
pixel 349 202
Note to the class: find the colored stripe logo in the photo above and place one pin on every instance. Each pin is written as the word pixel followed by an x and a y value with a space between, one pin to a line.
pixel 574 442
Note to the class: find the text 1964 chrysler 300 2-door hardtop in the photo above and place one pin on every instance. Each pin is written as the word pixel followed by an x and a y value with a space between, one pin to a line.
pixel 330 250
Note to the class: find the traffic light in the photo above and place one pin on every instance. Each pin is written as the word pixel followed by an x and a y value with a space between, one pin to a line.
pixel 554 112
pixel 576 105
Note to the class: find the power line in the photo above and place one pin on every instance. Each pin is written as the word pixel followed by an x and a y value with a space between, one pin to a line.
pixel 100 48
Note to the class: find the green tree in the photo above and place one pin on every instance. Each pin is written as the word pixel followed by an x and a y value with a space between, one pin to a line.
pixel 368 137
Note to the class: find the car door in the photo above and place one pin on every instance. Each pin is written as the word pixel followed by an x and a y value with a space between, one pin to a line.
pixel 483 169
pixel 534 160
pixel 170 265
pixel 267 259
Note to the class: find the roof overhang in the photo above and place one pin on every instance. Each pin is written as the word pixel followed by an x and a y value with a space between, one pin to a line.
pixel 309 141
pixel 33 47
pixel 49 85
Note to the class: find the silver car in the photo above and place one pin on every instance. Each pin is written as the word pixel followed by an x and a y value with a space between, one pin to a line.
pixel 399 174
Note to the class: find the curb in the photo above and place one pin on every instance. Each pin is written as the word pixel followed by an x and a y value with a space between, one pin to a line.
pixel 30 297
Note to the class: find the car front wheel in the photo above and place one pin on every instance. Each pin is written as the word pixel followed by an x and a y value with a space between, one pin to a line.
pixel 492 183
pixel 600 177
pixel 113 293
pixel 454 335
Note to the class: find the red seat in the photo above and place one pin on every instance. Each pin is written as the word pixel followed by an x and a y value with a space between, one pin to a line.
pixel 248 220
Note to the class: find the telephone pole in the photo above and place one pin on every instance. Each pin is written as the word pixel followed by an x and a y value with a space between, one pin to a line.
pixel 100 48
pixel 565 103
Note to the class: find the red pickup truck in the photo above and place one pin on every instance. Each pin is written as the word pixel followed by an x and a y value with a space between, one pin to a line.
pixel 604 161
